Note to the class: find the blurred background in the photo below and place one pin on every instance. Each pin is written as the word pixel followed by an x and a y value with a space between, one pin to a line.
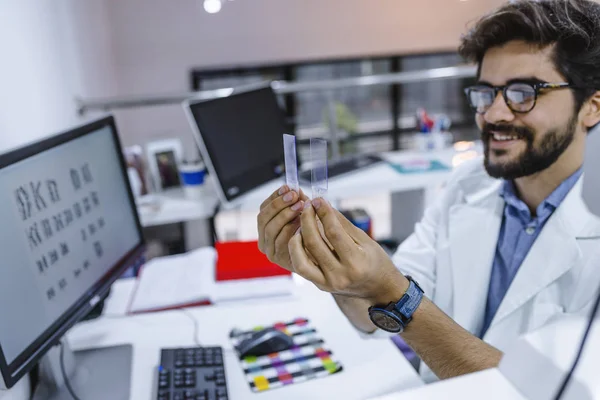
pixel 57 55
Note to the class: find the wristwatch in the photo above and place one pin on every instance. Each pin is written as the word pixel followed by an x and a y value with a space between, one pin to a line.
pixel 397 315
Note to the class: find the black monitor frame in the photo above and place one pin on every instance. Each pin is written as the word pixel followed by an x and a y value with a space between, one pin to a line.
pixel 24 362
pixel 270 170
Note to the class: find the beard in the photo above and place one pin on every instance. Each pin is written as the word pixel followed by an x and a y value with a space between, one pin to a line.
pixel 535 158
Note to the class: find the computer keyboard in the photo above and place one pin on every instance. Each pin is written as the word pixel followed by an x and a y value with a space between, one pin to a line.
pixel 196 373
pixel 344 166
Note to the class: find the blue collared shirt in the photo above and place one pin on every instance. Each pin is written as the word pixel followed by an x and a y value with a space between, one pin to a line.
pixel 518 232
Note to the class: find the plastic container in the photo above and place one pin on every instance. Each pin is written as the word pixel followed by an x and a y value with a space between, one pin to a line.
pixel 192 179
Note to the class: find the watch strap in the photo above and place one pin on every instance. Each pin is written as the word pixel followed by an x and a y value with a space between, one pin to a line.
pixel 410 301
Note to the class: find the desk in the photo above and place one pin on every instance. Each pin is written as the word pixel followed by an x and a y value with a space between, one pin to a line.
pixel 371 367
pixel 380 178
pixel 373 179
pixel 489 385
pixel 410 194
pixel 172 206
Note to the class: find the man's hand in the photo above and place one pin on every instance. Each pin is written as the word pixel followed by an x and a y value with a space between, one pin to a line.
pixel 356 266
pixel 277 221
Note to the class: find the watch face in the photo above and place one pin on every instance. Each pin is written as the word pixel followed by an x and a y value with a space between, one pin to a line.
pixel 384 320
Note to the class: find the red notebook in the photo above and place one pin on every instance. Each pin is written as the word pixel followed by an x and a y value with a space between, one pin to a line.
pixel 243 260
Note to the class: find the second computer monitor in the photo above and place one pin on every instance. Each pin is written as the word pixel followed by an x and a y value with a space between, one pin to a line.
pixel 240 139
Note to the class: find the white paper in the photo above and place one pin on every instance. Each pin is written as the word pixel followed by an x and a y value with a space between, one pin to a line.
pixel 243 289
pixel 175 280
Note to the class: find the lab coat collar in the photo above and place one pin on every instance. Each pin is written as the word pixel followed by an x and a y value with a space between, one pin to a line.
pixel 473 234
pixel 474 230
pixel 555 252
pixel 480 190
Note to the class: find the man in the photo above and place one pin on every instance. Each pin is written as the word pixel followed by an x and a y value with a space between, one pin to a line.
pixel 507 248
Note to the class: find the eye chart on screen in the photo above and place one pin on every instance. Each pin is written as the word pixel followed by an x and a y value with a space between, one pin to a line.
pixel 68 220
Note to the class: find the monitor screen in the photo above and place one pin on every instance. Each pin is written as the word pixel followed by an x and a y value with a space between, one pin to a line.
pixel 242 136
pixel 68 222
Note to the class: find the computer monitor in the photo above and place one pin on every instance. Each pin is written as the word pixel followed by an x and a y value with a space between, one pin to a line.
pixel 69 228
pixel 240 139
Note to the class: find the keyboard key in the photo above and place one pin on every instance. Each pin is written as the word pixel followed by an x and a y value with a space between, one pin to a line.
pixel 192 374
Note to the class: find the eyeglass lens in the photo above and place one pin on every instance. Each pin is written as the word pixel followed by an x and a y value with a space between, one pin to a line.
pixel 519 97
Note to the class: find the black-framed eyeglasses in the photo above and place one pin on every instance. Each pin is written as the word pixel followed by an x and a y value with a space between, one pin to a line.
pixel 520 97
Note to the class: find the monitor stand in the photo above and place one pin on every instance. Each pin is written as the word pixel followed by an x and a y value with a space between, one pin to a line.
pixel 95 374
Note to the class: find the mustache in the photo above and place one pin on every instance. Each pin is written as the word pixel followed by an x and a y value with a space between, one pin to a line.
pixel 520 132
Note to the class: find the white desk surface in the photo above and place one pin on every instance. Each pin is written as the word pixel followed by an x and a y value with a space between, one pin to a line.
pixel 371 367
pixel 174 207
pixel 371 180
pixel 489 385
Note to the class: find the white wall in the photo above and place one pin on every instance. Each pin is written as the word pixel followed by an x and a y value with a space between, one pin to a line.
pixel 52 51
pixel 158 42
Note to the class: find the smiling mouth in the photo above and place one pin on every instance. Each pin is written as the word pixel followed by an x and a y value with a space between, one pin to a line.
pixel 501 137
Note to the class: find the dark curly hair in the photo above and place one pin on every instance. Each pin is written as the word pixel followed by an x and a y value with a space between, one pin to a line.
pixel 572 26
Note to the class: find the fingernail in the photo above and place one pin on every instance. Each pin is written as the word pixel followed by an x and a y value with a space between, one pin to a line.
pixel 297 206
pixel 282 190
pixel 288 197
pixel 298 231
pixel 307 205
pixel 316 203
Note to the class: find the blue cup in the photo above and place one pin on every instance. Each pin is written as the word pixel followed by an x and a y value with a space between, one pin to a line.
pixel 192 174
pixel 192 178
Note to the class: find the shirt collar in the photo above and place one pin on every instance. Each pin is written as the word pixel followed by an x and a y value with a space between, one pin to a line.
pixel 509 194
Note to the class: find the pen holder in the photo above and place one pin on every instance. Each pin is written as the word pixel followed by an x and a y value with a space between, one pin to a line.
pixel 432 141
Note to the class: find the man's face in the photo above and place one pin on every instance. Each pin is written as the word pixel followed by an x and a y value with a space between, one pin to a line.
pixel 522 144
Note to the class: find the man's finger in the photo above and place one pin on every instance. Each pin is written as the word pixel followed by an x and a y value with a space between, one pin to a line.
pixel 314 243
pixel 357 234
pixel 302 196
pixel 279 192
pixel 271 210
pixel 283 237
pixel 339 238
pixel 302 264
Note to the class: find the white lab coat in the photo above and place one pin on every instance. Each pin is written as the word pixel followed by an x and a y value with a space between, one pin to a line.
pixel 452 250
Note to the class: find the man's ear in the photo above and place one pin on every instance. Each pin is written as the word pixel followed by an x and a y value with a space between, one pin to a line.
pixel 591 111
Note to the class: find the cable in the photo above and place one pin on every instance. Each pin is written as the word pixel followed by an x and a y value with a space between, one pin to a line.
pixel 64 373
pixel 568 377
pixel 196 325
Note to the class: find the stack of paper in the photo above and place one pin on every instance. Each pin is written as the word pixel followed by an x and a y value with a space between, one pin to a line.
pixel 188 280
pixel 174 281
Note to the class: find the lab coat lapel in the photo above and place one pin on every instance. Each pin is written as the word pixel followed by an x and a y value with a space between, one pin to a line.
pixel 554 252
pixel 473 233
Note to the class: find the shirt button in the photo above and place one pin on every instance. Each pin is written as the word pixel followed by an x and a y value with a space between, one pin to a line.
pixel 530 230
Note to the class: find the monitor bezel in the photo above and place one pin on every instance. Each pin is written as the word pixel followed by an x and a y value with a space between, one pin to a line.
pixel 227 199
pixel 27 359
